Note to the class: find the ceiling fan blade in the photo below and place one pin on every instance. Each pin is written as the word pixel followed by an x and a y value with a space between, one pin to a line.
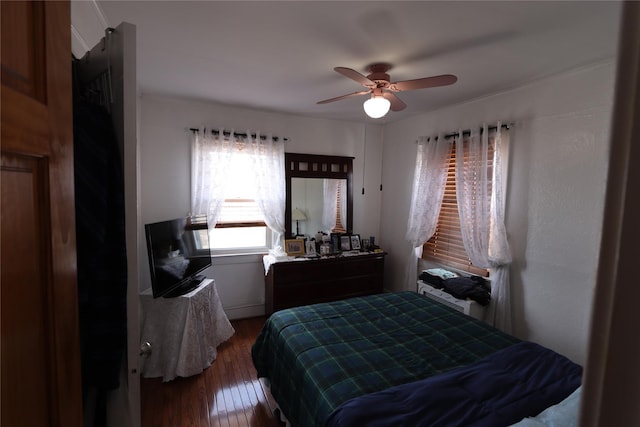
pixel 396 103
pixel 423 83
pixel 338 98
pixel 354 75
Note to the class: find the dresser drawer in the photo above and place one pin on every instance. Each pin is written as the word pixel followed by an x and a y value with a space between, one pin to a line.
pixel 294 283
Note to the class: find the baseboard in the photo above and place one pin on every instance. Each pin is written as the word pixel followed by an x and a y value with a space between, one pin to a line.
pixel 245 311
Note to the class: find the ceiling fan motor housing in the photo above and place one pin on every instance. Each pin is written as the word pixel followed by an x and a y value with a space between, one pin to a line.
pixel 379 74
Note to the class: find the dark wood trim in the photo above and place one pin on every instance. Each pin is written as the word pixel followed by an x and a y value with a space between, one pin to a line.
pixel 239 224
pixel 295 283
pixel 292 169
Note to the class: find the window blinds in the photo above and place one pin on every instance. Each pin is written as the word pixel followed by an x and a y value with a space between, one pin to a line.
pixel 446 245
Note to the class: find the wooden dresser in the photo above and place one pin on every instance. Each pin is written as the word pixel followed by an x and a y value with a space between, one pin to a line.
pixel 302 282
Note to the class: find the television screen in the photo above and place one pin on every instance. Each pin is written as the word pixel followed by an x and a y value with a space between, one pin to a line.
pixel 178 250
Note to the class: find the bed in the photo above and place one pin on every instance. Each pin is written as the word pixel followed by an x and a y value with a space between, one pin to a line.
pixel 403 359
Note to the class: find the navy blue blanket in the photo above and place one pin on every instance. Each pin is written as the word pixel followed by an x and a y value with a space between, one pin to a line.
pixel 499 390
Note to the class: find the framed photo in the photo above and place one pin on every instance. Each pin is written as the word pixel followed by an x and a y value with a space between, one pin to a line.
pixel 345 243
pixel 310 247
pixel 294 247
pixel 364 243
pixel 335 242
pixel 355 242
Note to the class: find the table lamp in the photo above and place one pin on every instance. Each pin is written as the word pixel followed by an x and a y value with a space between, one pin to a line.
pixel 298 216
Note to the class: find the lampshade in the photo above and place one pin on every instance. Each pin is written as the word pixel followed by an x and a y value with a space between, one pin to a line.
pixel 298 215
pixel 376 106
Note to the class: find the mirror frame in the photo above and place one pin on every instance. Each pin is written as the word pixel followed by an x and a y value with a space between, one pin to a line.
pixel 317 166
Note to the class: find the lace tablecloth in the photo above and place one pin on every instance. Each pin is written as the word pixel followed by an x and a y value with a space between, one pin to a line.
pixel 183 331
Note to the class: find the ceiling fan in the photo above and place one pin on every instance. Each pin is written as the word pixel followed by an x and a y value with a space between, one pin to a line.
pixel 382 90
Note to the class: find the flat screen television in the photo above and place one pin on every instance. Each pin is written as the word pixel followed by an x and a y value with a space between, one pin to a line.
pixel 178 251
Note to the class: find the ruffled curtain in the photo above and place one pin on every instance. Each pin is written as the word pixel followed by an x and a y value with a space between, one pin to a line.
pixel 482 217
pixel 212 155
pixel 210 159
pixel 268 165
pixel 428 188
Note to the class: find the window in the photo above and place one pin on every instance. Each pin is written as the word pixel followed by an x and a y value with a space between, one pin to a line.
pixel 238 230
pixel 240 227
pixel 238 182
pixel 197 239
pixel 446 245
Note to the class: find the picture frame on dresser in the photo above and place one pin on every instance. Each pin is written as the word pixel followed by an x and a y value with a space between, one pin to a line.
pixel 294 247
pixel 335 242
pixel 345 242
pixel 310 246
pixel 355 242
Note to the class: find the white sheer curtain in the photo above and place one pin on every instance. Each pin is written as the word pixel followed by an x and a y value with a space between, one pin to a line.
pixel 212 154
pixel 330 202
pixel 428 188
pixel 482 218
pixel 268 161
pixel 207 181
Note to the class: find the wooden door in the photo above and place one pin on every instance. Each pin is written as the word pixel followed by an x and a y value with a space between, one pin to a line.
pixel 40 359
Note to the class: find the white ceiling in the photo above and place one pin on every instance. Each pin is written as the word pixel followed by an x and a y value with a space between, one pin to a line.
pixel 280 55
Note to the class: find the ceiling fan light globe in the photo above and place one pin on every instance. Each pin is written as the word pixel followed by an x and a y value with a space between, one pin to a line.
pixel 376 107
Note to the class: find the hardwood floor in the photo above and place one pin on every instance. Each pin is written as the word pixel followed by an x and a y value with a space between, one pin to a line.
pixel 228 393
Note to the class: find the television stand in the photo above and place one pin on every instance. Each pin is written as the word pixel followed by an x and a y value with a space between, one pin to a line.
pixel 186 287
pixel 184 332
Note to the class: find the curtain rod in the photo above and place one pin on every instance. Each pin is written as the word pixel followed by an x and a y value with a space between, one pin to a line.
pixel 244 135
pixel 468 131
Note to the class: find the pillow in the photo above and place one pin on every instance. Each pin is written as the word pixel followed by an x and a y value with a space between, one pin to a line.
pixel 564 414
pixel 528 422
pixel 441 272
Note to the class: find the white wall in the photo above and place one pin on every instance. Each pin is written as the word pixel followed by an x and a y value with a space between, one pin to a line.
pixel 165 176
pixel 558 165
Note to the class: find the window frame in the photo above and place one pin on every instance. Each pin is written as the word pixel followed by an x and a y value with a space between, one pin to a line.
pixel 240 250
pixel 196 223
pixel 239 224
pixel 244 250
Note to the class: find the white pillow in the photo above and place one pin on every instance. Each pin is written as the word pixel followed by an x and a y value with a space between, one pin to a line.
pixel 528 422
pixel 564 414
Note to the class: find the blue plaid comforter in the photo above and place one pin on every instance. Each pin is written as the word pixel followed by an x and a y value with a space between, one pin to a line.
pixel 319 356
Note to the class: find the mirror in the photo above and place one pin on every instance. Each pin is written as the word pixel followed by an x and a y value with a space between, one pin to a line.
pixel 307 178
pixel 308 204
